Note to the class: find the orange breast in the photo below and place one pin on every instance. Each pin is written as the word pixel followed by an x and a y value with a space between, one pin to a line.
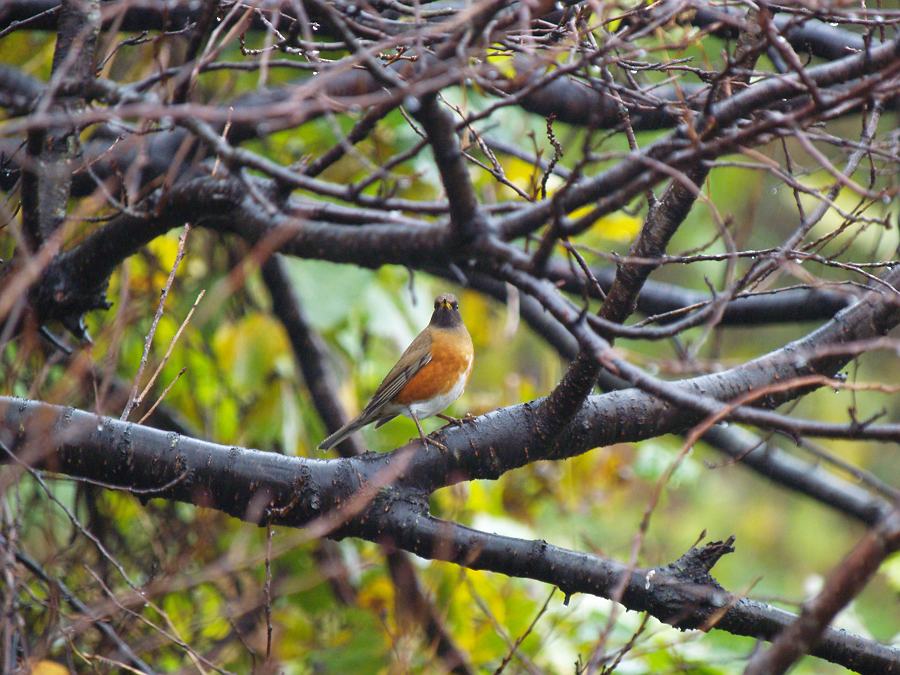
pixel 451 358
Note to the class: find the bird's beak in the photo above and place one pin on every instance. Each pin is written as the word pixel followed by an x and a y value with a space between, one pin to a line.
pixel 446 304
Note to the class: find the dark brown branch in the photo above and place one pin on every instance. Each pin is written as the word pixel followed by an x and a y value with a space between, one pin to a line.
pixel 661 224
pixel 265 487
pixel 751 309
pixel 310 353
pixel 467 219
pixel 414 606
pixel 575 102
pixel 46 178
pixel 494 443
pixel 18 91
pixel 811 35
pixel 683 593
pixel 801 476
pixel 804 34
pixel 75 281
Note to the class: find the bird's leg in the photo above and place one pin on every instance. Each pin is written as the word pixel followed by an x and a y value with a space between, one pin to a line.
pixel 425 439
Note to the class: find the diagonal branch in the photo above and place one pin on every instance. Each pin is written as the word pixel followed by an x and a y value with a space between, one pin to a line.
pixel 841 586
pixel 750 451
pixel 608 188
pixel 466 217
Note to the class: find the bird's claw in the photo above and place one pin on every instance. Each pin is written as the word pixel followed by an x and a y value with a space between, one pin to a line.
pixel 457 421
pixel 440 446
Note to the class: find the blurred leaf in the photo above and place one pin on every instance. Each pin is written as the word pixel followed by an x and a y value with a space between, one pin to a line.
pixel 618 226
pixel 654 459
pixel 248 349
pixel 328 292
pixel 45 667
pixel 890 568
pixel 504 63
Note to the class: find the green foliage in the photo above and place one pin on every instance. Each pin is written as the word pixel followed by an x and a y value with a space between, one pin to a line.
pixel 205 573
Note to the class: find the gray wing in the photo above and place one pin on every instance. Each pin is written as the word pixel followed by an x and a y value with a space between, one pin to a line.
pixel 400 375
pixel 411 362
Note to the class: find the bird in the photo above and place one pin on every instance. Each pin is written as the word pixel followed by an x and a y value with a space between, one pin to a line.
pixel 430 375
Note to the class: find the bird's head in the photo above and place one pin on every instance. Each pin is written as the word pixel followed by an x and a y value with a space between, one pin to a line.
pixel 446 311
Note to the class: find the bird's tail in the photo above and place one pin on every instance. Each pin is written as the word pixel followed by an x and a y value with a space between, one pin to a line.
pixel 343 432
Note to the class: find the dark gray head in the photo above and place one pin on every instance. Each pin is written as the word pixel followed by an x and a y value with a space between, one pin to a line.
pixel 446 311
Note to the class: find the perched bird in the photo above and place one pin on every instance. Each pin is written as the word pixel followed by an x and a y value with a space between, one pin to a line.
pixel 430 375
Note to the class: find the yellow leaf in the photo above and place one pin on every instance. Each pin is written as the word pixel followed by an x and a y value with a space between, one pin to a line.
pixel 616 226
pixel 476 313
pixel 890 568
pixel 164 249
pixel 503 62
pixel 520 172
pixel 377 594
pixel 45 667
pixel 249 349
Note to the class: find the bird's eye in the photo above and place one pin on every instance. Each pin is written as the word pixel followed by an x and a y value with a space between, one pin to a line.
pixel 455 305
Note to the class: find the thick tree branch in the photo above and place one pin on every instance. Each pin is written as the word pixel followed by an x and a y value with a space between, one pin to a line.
pixel 682 593
pixel 125 235
pixel 324 495
pixel 75 281
pixel 18 91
